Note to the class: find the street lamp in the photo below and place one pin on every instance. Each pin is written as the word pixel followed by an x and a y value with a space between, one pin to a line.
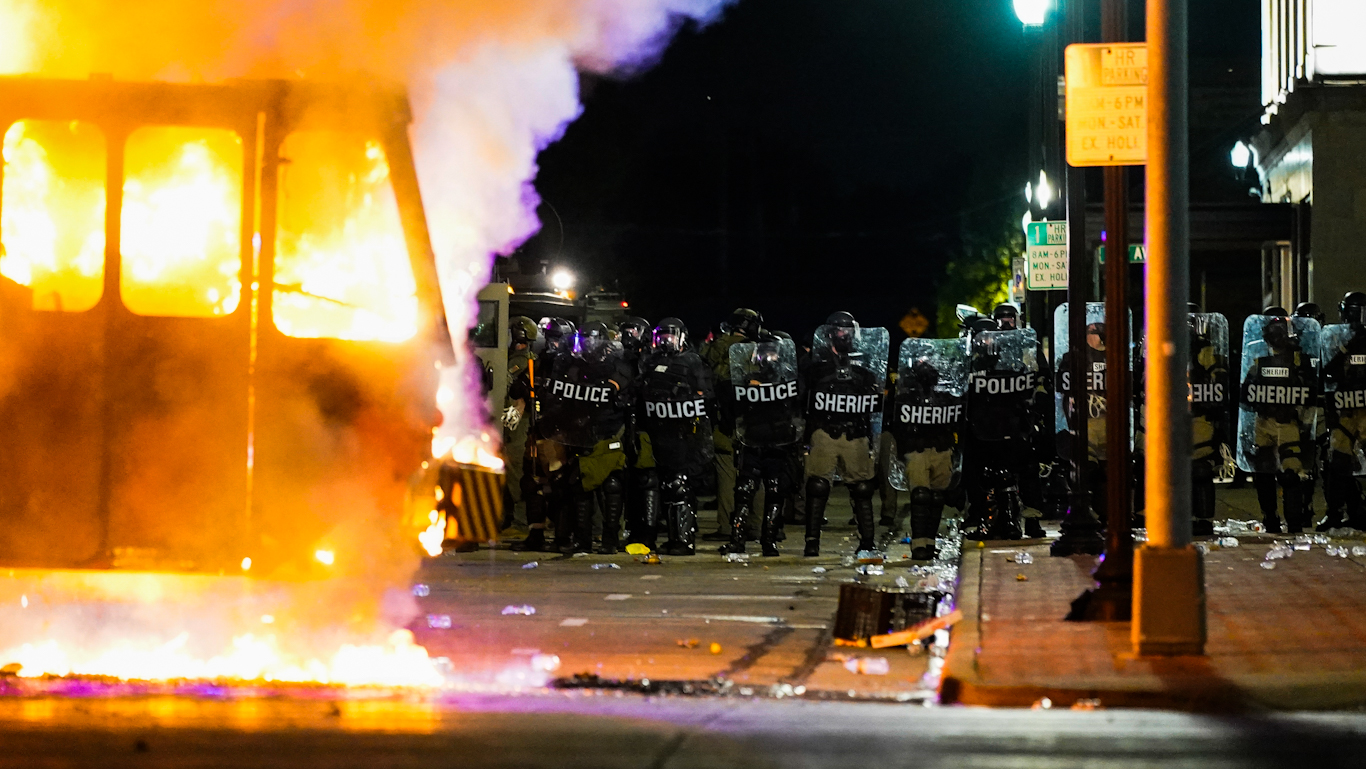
pixel 1241 155
pixel 1032 13
pixel 562 280
pixel 1044 191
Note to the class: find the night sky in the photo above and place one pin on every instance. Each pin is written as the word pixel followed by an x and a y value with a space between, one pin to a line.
pixel 804 156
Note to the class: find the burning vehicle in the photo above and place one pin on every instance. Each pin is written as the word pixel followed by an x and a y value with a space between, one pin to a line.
pixel 221 331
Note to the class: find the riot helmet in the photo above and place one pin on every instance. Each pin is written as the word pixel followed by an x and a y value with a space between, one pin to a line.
pixel 1007 316
pixel 558 334
pixel 983 323
pixel 924 375
pixel 670 337
pixel 1353 308
pixel 1309 310
pixel 634 333
pixel 1193 308
pixel 523 330
pixel 591 340
pixel 1096 330
pixel 1278 333
pixel 746 322
pixel 843 332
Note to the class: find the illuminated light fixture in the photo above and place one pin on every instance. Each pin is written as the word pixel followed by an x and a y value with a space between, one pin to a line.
pixel 1032 13
pixel 246 564
pixel 1044 192
pixel 1241 155
pixel 1024 223
pixel 562 280
pixel 325 557
pixel 1029 192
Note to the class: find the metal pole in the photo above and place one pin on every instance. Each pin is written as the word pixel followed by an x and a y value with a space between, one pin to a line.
pixel 1169 595
pixel 1079 525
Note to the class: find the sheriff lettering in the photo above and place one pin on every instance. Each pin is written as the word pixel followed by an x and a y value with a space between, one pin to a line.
pixel 1349 399
pixel 1212 392
pixel 1095 379
pixel 581 392
pixel 766 393
pixel 931 415
pixel 846 404
pixel 1277 395
pixel 676 410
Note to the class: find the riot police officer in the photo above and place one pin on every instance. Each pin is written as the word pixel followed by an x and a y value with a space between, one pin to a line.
pixel 675 407
pixel 744 325
pixel 766 394
pixel 516 426
pixel 551 470
pixel 1319 450
pixel 926 420
pixel 1209 399
pixel 634 333
pixel 1344 356
pixel 844 389
pixel 1007 317
pixel 1001 419
pixel 1278 400
pixel 1090 397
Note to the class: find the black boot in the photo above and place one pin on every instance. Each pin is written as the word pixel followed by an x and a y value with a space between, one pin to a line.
pixel 773 519
pixel 1334 514
pixel 739 519
pixel 534 542
pixel 1202 499
pixel 927 510
pixel 1033 528
pixel 1265 484
pixel 1292 495
pixel 649 509
pixel 817 493
pixel 582 531
pixel 861 495
pixel 535 517
pixel 681 507
pixel 1004 508
pixel 613 505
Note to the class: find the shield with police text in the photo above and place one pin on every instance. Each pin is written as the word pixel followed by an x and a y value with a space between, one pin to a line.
pixel 1004 367
pixel 764 386
pixel 930 402
pixel 846 382
pixel 1279 399
pixel 675 392
pixel 1344 384
pixel 583 401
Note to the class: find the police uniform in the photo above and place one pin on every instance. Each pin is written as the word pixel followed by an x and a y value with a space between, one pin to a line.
pixel 1345 401
pixel 520 361
pixel 926 419
pixel 1001 419
pixel 744 326
pixel 1209 399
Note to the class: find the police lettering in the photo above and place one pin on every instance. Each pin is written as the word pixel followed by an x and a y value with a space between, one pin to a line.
pixel 1277 395
pixel 998 385
pixel 931 415
pixel 578 392
pixel 685 410
pixel 766 393
pixel 1207 393
pixel 1349 399
pixel 846 404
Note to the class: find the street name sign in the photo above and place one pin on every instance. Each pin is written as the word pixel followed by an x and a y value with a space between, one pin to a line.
pixel 1107 104
pixel 1046 253
pixel 1137 254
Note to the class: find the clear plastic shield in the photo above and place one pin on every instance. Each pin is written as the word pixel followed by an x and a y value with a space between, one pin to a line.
pixel 1093 402
pixel 675 394
pixel 1211 388
pixel 1279 396
pixel 581 401
pixel 846 383
pixel 1343 357
pixel 767 398
pixel 1003 370
pixel 928 412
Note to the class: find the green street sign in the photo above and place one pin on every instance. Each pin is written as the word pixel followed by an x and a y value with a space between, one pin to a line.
pixel 1046 256
pixel 1137 254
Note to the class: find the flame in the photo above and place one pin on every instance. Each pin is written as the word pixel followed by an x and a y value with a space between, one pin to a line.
pixel 468 450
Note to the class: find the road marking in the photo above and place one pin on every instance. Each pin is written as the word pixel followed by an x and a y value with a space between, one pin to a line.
pixel 618 596
pixel 729 597
pixel 573 622
pixel 735 618
pixel 650 576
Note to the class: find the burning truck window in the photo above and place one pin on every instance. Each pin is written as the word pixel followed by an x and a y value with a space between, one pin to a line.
pixel 52 212
pixel 182 221
pixel 342 268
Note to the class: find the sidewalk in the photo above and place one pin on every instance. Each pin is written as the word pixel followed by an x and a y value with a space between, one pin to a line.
pixel 1292 637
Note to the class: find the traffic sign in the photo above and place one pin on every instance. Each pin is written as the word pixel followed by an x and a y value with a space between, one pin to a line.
pixel 1137 254
pixel 1107 104
pixel 1046 252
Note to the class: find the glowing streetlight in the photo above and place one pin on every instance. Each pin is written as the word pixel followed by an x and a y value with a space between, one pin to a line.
pixel 1241 155
pixel 1029 192
pixel 1032 13
pixel 562 280
pixel 1044 190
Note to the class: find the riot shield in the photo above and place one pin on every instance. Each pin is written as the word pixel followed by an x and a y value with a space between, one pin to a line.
pixel 1093 403
pixel 1278 401
pixel 1343 358
pixel 866 352
pixel 1001 380
pixel 581 399
pixel 1210 390
pixel 673 410
pixel 763 380
pixel 929 405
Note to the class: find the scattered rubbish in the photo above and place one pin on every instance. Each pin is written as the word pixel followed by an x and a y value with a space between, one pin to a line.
pixel 581 555
pixel 1303 542
pixel 1203 547
pixel 1086 704
pixel 847 560
pixel 421 591
pixel 636 548
pixel 715 648
pixel 818 570
pixel 861 643
pixel 868 666
pixel 440 621
pixel 1268 564
pixel 1342 552
pixel 1358 550
pixel 870 570
pixel 919 631
pixel 1278 551
pixel 1021 578
pixel 1023 557
pixel 598 566
pixel 737 557
pixel 523 610
pixel 1321 539
pixel 869 557
pixel 1228 542
pixel 617 597
pixel 902 582
pixel 690 643
pixel 1332 550
pixel 981 544
pixel 547 663
pixel 531 564
pixel 652 558
pixel 1042 704
pixel 573 622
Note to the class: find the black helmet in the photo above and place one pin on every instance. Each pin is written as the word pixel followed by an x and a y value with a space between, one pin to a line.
pixel 1007 316
pixel 1277 332
pixel 842 332
pixel 1309 310
pixel 558 334
pixel 591 339
pixel 634 332
pixel 924 374
pixel 1277 312
pixel 1193 308
pixel 523 330
pixel 670 337
pixel 1353 308
pixel 746 322
pixel 983 323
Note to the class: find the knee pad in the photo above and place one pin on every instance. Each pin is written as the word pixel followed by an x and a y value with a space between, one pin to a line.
pixel 1288 478
pixel 818 486
pixel 922 496
pixel 614 484
pixel 648 480
pixel 675 486
pixel 863 490
pixel 746 486
pixel 773 487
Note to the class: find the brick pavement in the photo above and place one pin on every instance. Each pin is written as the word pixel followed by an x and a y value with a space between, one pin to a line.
pixel 1290 637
